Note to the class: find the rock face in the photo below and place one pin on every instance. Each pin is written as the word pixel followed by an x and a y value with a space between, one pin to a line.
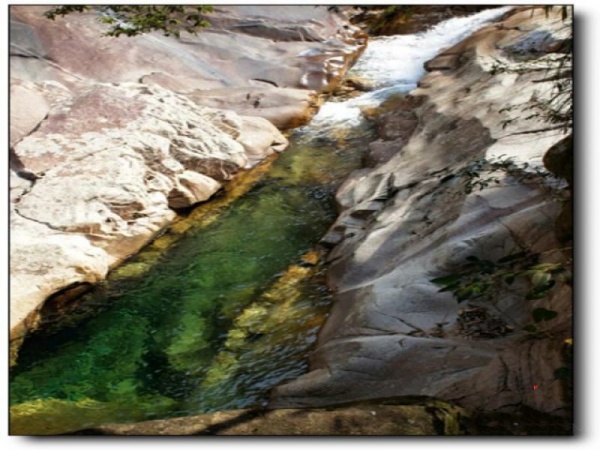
pixel 283 46
pixel 283 107
pixel 430 418
pixel 106 145
pixel 109 167
pixel 413 218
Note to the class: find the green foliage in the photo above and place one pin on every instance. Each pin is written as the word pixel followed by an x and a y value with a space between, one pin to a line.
pixel 565 11
pixel 562 372
pixel 480 279
pixel 402 11
pixel 554 104
pixel 132 20
pixel 543 314
pixel 483 172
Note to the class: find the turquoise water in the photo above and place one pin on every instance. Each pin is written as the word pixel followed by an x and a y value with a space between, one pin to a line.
pixel 217 312
pixel 160 343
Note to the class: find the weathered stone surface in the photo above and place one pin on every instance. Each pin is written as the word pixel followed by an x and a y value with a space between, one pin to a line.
pixel 258 134
pixel 430 418
pixel 28 107
pixel 99 161
pixel 44 261
pixel 191 188
pixel 245 43
pixel 443 62
pixel 107 166
pixel 381 152
pixel 283 107
pixel 409 220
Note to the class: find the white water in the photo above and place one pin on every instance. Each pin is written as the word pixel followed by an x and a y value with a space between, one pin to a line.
pixel 395 64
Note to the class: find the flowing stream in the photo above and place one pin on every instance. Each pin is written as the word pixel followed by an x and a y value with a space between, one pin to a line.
pixel 227 303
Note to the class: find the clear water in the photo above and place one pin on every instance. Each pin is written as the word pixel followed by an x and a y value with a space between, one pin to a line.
pixel 224 306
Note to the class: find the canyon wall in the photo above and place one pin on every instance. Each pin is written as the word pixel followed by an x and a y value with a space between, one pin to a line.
pixel 455 186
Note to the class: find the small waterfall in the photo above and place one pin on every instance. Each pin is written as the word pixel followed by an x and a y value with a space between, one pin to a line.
pixel 221 314
pixel 394 64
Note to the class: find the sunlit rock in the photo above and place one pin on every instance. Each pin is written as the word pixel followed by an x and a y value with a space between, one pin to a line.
pixel 109 165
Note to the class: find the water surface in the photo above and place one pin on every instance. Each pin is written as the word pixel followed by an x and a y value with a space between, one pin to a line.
pixel 227 304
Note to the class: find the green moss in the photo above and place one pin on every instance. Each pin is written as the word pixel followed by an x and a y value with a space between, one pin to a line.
pixel 54 416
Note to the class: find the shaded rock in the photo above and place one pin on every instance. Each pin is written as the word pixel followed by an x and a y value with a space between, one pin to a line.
pixel 368 419
pixel 525 371
pixel 381 152
pixel 559 159
pixel 399 125
pixel 394 103
pixel 443 62
pixel 391 332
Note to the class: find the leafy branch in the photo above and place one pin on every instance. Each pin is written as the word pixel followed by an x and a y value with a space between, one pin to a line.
pixel 474 178
pixel 482 278
pixel 133 20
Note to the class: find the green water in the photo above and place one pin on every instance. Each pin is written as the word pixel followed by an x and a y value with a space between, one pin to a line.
pixel 195 330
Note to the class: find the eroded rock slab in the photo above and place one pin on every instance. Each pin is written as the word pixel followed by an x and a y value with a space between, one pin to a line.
pixel 283 107
pixel 290 46
pixel 106 169
pixel 410 219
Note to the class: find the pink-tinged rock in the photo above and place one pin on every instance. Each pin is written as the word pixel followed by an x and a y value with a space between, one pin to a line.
pixel 283 107
pixel 106 168
pixel 28 107
pixel 72 49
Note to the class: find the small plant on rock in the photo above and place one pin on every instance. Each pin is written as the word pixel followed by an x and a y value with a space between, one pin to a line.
pixel 483 173
pixel 133 20
pixel 480 279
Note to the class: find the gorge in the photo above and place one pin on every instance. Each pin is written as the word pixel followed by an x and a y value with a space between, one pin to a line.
pixel 223 309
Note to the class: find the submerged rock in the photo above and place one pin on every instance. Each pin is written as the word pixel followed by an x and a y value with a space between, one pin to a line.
pixel 412 217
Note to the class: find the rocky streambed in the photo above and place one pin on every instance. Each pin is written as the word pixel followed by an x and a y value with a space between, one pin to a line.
pixel 110 137
pixel 226 305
